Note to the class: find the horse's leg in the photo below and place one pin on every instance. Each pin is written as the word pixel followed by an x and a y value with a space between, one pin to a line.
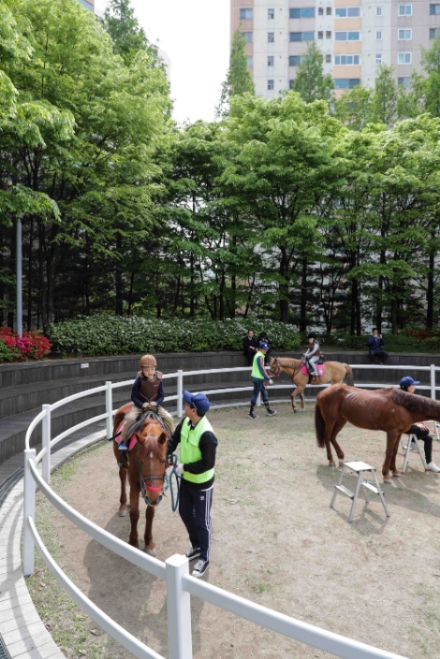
pixel 123 508
pixel 336 430
pixel 393 459
pixel 392 437
pixel 134 514
pixel 298 391
pixel 148 537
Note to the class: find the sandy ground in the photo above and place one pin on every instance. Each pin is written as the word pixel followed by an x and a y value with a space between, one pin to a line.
pixel 276 541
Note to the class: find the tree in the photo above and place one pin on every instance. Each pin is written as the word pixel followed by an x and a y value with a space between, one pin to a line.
pixel 311 82
pixel 238 80
pixel 123 27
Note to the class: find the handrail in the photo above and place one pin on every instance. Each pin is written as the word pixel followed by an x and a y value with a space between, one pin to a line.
pixel 175 572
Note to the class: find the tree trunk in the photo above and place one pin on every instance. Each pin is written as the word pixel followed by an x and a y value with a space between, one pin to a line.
pixel 303 303
pixel 430 294
pixel 29 282
pixel 43 289
pixel 118 277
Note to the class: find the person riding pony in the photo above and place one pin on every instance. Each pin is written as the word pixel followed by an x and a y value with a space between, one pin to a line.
pixel 311 357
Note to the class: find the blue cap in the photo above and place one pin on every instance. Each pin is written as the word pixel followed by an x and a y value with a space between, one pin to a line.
pixel 199 401
pixel 407 381
pixel 263 345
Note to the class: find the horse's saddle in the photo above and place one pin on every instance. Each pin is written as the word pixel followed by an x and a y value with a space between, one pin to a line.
pixel 135 426
pixel 319 367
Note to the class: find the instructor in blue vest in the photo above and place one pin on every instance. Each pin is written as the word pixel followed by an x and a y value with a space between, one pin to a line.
pixel 198 446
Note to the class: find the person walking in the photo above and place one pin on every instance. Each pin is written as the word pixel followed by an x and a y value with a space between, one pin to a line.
pixel 420 430
pixel 260 377
pixel 198 445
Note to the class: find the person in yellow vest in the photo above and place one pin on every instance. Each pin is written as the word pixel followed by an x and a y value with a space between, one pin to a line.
pixel 198 446
pixel 259 377
pixel 147 394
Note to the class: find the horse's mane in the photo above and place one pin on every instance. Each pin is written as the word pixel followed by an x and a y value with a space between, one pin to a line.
pixel 418 404
pixel 288 361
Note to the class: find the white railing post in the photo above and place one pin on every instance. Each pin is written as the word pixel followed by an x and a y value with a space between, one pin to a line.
pixel 179 609
pixel 46 437
pixel 433 381
pixel 179 393
pixel 28 511
pixel 109 409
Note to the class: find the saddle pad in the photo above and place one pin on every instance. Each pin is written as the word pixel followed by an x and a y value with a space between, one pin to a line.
pixel 131 442
pixel 320 368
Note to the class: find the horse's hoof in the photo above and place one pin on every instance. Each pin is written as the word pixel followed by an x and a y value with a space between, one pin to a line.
pixel 150 552
pixel 341 464
pixel 123 513
pixel 396 475
pixel 332 465
pixel 388 481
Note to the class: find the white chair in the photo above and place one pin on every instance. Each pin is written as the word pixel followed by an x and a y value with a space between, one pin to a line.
pixel 413 445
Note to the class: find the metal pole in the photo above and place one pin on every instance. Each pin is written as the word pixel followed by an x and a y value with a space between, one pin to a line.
pixel 179 609
pixel 19 281
pixel 179 393
pixel 47 431
pixel 109 408
pixel 433 381
pixel 28 511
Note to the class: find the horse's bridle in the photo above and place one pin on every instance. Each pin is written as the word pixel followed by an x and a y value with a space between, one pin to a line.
pixel 147 488
pixel 278 371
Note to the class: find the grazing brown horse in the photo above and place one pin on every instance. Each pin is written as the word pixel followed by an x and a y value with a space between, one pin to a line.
pixel 391 410
pixel 146 473
pixel 333 371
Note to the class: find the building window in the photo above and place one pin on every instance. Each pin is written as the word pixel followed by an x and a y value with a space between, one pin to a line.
pixel 245 14
pixel 320 11
pixel 404 58
pixel 434 10
pixel 249 61
pixel 405 35
pixel 307 12
pixel 347 36
pixel 295 60
pixel 378 11
pixel 405 10
pixel 247 36
pixel 350 12
pixel 270 84
pixel 344 60
pixel 271 60
pixel 328 11
pixel 404 81
pixel 271 37
pixel 320 35
pixel 291 84
pixel 328 59
pixel 271 13
pixel 378 59
pixel 347 83
pixel 379 35
pixel 434 32
pixel 302 36
pixel 328 34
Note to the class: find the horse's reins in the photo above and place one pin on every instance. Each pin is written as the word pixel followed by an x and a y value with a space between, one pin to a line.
pixel 169 482
pixel 278 371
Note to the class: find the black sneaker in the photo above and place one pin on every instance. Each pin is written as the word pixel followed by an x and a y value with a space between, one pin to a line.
pixel 251 415
pixel 200 568
pixel 271 412
pixel 193 553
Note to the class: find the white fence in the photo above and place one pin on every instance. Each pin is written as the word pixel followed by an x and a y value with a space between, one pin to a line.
pixel 180 585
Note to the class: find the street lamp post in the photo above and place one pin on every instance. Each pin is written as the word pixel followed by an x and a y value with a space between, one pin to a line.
pixel 19 280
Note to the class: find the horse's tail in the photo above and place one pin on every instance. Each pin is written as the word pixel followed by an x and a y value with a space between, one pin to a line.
pixel 319 426
pixel 349 375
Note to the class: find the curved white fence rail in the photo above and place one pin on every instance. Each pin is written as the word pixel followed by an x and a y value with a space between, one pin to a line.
pixel 180 585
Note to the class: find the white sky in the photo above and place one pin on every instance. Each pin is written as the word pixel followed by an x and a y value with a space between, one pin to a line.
pixel 195 36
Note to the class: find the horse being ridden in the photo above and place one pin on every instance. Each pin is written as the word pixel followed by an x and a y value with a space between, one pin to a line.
pixel 333 371
pixel 145 465
pixel 390 410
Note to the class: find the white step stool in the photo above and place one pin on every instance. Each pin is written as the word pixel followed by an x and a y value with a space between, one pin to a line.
pixel 412 445
pixel 359 468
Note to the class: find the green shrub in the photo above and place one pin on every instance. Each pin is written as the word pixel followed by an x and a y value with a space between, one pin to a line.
pixel 117 335
pixel 8 354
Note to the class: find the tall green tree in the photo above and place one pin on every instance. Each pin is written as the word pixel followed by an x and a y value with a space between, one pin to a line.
pixel 123 27
pixel 238 80
pixel 311 82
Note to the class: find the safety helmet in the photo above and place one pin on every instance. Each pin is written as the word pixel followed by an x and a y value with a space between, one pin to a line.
pixel 311 335
pixel 148 360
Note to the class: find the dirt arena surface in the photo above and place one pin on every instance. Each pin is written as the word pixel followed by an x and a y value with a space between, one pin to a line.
pixel 275 541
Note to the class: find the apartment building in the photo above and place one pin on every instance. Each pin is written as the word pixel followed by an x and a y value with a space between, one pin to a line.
pixel 355 37
pixel 88 4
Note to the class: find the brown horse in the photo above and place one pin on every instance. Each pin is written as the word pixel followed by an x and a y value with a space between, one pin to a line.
pixel 146 472
pixel 333 371
pixel 391 410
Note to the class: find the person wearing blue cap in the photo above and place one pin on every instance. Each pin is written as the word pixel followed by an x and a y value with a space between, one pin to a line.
pixel 259 377
pixel 198 445
pixel 420 430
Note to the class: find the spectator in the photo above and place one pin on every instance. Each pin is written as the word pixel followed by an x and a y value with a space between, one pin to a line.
pixel 263 338
pixel 420 430
pixel 375 343
pixel 250 346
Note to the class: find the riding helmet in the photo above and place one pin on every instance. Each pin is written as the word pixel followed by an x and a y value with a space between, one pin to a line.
pixel 148 360
pixel 311 335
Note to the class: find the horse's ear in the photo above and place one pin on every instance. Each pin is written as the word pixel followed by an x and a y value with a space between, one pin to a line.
pixel 162 438
pixel 140 438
